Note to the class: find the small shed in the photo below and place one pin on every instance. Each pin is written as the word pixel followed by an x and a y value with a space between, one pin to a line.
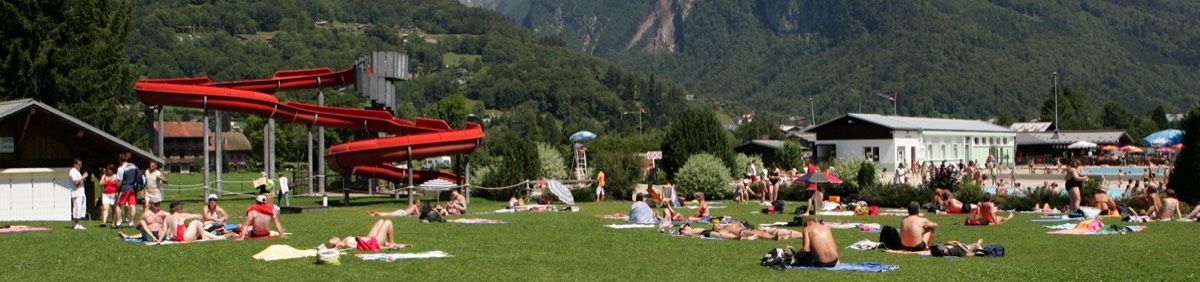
pixel 37 146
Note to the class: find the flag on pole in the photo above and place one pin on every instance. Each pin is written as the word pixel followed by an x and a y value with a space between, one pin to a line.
pixel 894 96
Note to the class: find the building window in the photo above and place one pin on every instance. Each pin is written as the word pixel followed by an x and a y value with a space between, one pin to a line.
pixel 955 151
pixel 900 155
pixel 871 153
pixel 929 154
pixel 943 155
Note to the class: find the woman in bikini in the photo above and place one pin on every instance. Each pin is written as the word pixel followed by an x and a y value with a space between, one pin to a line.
pixel 380 237
pixel 412 209
pixel 702 212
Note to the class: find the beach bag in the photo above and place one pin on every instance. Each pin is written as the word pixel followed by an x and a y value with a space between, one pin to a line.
pixel 890 237
pixel 777 259
pixel 874 210
pixel 778 205
pixel 802 210
pixel 990 251
pixel 328 256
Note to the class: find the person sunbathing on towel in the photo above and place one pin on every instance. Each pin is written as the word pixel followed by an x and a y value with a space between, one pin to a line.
pixel 987 209
pixel 955 249
pixel 380 237
pixel 716 232
pixel 259 218
pixel 779 233
pixel 916 232
pixel 186 227
pixel 1106 204
pixel 953 205
pixel 151 225
pixel 819 250
pixel 412 209
pixel 702 211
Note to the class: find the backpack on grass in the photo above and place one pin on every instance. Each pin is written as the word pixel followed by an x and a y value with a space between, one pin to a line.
pixel 890 237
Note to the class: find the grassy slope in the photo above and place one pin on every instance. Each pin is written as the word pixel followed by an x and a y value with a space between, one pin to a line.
pixel 574 246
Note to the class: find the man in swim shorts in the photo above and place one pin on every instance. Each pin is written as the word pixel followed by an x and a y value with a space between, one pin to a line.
pixel 916 232
pixel 819 250
pixel 259 218
pixel 152 222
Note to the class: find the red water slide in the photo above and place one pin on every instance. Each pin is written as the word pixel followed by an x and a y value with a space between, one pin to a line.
pixel 369 158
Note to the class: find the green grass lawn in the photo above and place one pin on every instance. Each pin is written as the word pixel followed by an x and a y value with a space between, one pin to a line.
pixel 454 59
pixel 575 246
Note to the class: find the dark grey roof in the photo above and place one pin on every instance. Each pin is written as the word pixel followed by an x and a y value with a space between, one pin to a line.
pixel 773 144
pixel 919 123
pixel 8 108
pixel 1068 137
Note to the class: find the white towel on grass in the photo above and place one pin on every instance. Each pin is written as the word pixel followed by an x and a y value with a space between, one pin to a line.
pixel 400 256
pixel 627 226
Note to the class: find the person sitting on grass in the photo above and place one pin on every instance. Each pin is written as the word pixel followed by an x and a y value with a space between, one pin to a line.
pixel 380 237
pixel 186 227
pixel 916 232
pixel 412 209
pixel 955 249
pixel 702 210
pixel 458 202
pixel 819 249
pixel 987 210
pixel 640 212
pixel 259 218
pixel 669 214
pixel 213 215
pixel 1170 206
pixel 1106 204
pixel 151 225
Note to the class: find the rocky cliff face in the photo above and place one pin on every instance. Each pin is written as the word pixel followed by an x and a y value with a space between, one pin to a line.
pixel 659 28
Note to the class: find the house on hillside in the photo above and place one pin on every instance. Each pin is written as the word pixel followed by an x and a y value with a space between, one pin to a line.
pixel 237 150
pixel 325 24
pixel 183 145
pixel 38 144
pixel 891 140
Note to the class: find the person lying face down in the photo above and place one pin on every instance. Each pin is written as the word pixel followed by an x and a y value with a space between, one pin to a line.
pixel 955 249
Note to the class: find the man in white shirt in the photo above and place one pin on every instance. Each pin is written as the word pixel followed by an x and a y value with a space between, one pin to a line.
pixel 283 196
pixel 78 197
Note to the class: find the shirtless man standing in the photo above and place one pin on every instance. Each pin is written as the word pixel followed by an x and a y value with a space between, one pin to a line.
pixel 916 232
pixel 819 249
pixel 987 209
pixel 259 218
pixel 1170 206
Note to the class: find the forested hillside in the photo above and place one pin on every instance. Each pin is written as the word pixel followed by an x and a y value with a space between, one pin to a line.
pixel 964 58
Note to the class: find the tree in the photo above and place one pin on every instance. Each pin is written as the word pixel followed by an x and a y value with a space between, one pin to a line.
pixel 1075 110
pixel 1116 116
pixel 694 130
pixel 1005 119
pixel 790 155
pixel 452 109
pixel 552 164
pixel 1188 161
pixel 1159 116
pixel 71 55
pixel 761 127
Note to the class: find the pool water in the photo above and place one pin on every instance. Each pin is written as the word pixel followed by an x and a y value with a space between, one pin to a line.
pixel 1112 171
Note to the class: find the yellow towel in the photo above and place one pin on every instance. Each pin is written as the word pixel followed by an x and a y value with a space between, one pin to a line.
pixel 278 252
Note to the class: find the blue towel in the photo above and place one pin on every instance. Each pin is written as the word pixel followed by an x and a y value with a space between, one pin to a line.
pixel 857 267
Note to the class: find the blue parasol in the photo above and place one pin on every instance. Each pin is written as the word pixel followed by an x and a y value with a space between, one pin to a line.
pixel 582 136
pixel 1164 138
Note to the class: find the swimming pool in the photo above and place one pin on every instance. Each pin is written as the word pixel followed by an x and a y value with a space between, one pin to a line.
pixel 1112 171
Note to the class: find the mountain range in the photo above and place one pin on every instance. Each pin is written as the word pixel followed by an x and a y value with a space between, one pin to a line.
pixel 956 58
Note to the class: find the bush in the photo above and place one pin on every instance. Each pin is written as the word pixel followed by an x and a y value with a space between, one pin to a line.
pixel 741 164
pixel 970 192
pixel 622 171
pixel 1035 196
pixel 791 192
pixel 585 194
pixel 946 179
pixel 790 155
pixel 847 192
pixel 848 170
pixel 552 164
pixel 895 195
pixel 704 173
pixel 1090 187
